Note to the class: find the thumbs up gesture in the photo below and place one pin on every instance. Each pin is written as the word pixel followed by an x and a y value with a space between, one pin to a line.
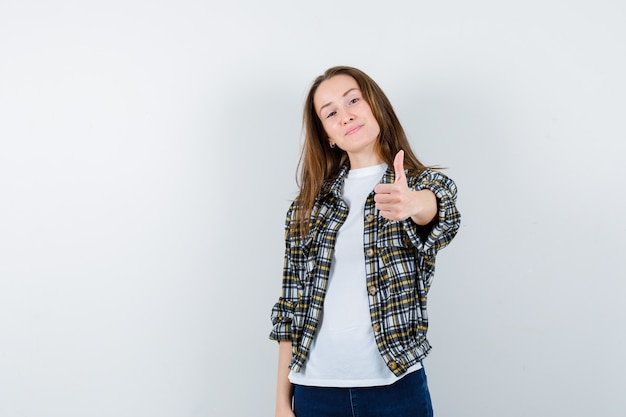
pixel 398 202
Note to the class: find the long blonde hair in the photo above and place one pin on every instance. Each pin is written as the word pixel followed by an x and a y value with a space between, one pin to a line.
pixel 320 163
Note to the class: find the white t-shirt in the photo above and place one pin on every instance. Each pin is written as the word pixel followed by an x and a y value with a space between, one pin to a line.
pixel 343 352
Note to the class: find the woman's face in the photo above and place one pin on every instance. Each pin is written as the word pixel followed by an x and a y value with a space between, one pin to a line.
pixel 347 119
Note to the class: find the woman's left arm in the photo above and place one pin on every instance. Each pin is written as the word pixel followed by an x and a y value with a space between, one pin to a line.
pixel 427 200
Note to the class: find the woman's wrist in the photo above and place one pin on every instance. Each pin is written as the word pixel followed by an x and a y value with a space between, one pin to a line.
pixel 425 204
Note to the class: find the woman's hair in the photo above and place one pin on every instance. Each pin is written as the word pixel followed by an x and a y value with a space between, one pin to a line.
pixel 319 162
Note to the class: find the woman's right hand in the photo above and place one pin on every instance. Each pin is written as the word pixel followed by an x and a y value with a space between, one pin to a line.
pixel 286 412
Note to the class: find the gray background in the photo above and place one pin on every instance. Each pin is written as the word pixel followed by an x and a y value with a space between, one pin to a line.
pixel 147 158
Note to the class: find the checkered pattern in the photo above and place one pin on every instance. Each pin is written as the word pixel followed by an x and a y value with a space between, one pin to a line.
pixel 399 264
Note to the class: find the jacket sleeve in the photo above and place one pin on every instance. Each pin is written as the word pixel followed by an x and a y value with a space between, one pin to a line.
pixel 283 312
pixel 443 228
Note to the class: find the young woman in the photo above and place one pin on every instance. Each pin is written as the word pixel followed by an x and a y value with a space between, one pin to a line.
pixel 360 246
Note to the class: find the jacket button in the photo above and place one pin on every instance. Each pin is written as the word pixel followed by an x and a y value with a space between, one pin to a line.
pixel 369 252
pixel 393 365
pixel 406 240
pixel 371 289
pixel 369 218
pixel 376 327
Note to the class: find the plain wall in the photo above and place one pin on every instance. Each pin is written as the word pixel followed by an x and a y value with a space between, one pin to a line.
pixel 147 158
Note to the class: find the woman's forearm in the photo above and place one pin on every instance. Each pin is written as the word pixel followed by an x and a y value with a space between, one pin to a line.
pixel 284 389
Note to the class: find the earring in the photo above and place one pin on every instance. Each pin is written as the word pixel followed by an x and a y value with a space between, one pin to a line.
pixel 332 145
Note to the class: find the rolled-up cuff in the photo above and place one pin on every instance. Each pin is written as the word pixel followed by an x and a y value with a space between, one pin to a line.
pixel 443 229
pixel 282 320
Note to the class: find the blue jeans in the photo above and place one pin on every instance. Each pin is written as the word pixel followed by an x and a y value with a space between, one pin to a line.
pixel 408 397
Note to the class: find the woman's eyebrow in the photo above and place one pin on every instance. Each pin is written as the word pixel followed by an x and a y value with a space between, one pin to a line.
pixel 344 94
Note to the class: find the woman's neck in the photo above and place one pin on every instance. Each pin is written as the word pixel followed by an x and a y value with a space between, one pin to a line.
pixel 363 161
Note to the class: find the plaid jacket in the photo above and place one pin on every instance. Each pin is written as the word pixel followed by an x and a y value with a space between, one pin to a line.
pixel 399 263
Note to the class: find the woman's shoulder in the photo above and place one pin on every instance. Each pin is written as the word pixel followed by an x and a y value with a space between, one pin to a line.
pixel 430 177
pixel 427 174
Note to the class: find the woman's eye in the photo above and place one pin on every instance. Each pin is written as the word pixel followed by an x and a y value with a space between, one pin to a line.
pixel 354 100
pixel 331 114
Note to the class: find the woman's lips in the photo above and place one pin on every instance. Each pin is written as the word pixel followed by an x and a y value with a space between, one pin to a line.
pixel 354 130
